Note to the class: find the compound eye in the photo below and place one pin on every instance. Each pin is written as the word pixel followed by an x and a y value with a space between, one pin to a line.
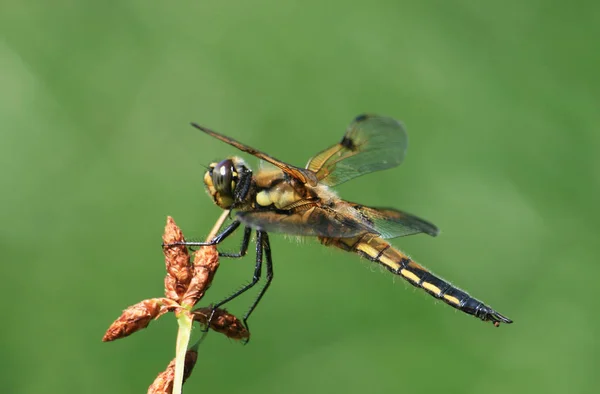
pixel 223 178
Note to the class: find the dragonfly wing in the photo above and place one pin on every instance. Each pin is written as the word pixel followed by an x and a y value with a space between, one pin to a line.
pixel 392 223
pixel 307 220
pixel 303 175
pixel 342 220
pixel 371 143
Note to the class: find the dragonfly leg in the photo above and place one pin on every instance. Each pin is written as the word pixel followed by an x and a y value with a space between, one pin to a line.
pixel 243 247
pixel 269 265
pixel 255 277
pixel 215 241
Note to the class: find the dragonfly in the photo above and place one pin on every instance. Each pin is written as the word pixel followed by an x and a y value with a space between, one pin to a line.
pixel 300 202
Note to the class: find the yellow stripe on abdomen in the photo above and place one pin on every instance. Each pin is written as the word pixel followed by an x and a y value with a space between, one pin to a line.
pixel 377 249
pixel 367 249
pixel 400 264
pixel 380 251
pixel 431 288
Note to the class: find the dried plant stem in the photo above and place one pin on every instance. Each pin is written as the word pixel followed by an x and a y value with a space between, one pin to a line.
pixel 215 230
pixel 185 320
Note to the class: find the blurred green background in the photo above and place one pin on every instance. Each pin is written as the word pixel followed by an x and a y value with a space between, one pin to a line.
pixel 501 102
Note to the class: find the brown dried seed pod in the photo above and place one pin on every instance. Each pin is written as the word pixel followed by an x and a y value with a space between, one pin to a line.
pixel 138 316
pixel 206 262
pixel 163 384
pixel 223 322
pixel 177 261
pixel 171 288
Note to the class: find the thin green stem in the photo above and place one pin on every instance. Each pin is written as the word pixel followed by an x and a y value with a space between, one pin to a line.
pixel 185 321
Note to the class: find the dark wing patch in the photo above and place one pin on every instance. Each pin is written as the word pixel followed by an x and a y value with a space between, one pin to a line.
pixel 304 176
pixel 392 223
pixel 371 143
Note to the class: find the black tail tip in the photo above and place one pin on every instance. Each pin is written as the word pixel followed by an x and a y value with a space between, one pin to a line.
pixel 496 318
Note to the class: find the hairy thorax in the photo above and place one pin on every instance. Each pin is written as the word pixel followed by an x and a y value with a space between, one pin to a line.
pixel 272 188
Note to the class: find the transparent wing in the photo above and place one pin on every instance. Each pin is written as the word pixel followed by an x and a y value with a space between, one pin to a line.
pixel 300 174
pixel 342 220
pixel 392 223
pixel 371 143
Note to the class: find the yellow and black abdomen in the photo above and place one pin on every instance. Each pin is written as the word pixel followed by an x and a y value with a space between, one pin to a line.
pixel 376 249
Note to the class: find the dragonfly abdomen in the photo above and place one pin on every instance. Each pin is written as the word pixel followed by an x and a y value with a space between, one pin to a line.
pixel 376 249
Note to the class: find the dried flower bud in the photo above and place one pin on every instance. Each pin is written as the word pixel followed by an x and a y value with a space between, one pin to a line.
pixel 177 262
pixel 206 262
pixel 163 384
pixel 138 316
pixel 171 288
pixel 223 322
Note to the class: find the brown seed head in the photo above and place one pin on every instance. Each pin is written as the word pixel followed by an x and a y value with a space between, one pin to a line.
pixel 206 262
pixel 223 322
pixel 163 384
pixel 177 262
pixel 138 316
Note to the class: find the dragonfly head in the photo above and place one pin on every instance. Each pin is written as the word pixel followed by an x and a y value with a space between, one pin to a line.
pixel 228 182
